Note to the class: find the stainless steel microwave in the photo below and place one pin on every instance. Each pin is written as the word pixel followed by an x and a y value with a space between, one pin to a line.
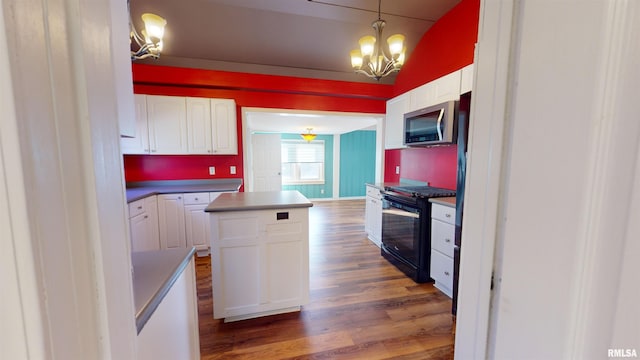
pixel 433 125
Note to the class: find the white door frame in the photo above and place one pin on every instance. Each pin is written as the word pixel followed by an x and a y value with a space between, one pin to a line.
pixel 604 294
pixel 246 143
pixel 63 227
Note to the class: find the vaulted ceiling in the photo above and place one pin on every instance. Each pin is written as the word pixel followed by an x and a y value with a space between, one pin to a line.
pixel 307 38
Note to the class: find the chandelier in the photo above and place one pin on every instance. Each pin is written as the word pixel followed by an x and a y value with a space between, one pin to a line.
pixel 150 43
pixel 372 59
pixel 308 136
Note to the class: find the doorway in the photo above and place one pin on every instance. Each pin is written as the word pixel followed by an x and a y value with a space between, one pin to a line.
pixel 261 127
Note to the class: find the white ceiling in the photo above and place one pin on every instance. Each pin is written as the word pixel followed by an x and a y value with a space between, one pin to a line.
pixel 306 38
pixel 267 120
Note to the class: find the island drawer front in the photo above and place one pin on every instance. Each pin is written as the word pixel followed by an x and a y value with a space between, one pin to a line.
pixel 442 269
pixel 442 237
pixel 136 208
pixel 443 213
pixel 196 198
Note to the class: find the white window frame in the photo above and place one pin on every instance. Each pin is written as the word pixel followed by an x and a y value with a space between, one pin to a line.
pixel 296 165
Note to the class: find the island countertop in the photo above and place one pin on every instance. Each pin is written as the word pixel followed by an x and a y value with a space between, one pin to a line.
pixel 244 201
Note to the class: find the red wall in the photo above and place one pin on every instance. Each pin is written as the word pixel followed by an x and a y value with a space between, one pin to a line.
pixel 436 165
pixel 248 90
pixel 447 46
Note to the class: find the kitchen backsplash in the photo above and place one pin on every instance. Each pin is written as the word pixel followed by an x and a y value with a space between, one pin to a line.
pixel 180 167
pixel 437 165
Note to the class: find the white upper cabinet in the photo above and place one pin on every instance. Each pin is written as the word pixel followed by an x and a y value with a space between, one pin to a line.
pixel 166 116
pixel 183 125
pixel 139 143
pixel 394 121
pixel 211 125
pixel 199 125
pixel 223 119
pixel 443 89
pixel 447 88
pixel 466 79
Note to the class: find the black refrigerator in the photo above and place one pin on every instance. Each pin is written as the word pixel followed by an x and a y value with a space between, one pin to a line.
pixel 464 110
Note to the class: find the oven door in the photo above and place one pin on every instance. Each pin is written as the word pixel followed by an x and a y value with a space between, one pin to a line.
pixel 401 228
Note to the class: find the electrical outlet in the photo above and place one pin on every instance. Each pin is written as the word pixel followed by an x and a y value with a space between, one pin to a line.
pixel 398 170
pixel 232 170
pixel 212 170
pixel 321 191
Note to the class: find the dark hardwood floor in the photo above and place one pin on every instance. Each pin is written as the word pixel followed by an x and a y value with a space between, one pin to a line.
pixel 361 307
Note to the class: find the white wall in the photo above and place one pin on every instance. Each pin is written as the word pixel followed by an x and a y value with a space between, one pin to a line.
pixel 553 154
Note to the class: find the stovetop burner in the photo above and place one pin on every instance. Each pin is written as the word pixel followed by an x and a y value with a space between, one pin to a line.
pixel 423 191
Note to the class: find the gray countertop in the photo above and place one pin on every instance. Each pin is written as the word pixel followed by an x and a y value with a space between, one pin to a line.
pixel 140 190
pixel 154 272
pixel 243 201
pixel 446 201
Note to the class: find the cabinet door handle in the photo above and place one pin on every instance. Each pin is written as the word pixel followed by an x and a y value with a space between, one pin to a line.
pixel 139 207
pixel 446 273
pixel 447 215
pixel 146 216
pixel 447 240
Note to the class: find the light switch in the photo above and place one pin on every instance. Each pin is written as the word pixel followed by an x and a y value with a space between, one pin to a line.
pixel 232 170
pixel 212 170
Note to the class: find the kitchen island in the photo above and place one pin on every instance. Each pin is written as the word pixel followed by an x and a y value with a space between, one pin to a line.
pixel 259 253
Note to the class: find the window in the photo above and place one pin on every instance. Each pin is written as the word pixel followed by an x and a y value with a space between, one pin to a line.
pixel 302 162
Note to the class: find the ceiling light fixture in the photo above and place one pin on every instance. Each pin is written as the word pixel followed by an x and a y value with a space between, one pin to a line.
pixel 150 43
pixel 372 59
pixel 308 136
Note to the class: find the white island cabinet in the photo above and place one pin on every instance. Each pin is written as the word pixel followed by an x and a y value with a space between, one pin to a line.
pixel 259 253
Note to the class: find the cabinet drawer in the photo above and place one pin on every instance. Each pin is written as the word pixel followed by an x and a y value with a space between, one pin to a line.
pixel 196 198
pixel 442 237
pixel 374 192
pixel 442 269
pixel 443 213
pixel 136 208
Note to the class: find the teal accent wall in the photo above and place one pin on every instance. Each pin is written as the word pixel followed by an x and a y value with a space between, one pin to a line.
pixel 317 191
pixel 357 162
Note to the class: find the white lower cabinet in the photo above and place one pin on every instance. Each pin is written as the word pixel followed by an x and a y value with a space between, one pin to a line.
pixel 259 262
pixel 143 224
pixel 373 215
pixel 171 221
pixel 442 243
pixel 197 225
pixel 172 331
